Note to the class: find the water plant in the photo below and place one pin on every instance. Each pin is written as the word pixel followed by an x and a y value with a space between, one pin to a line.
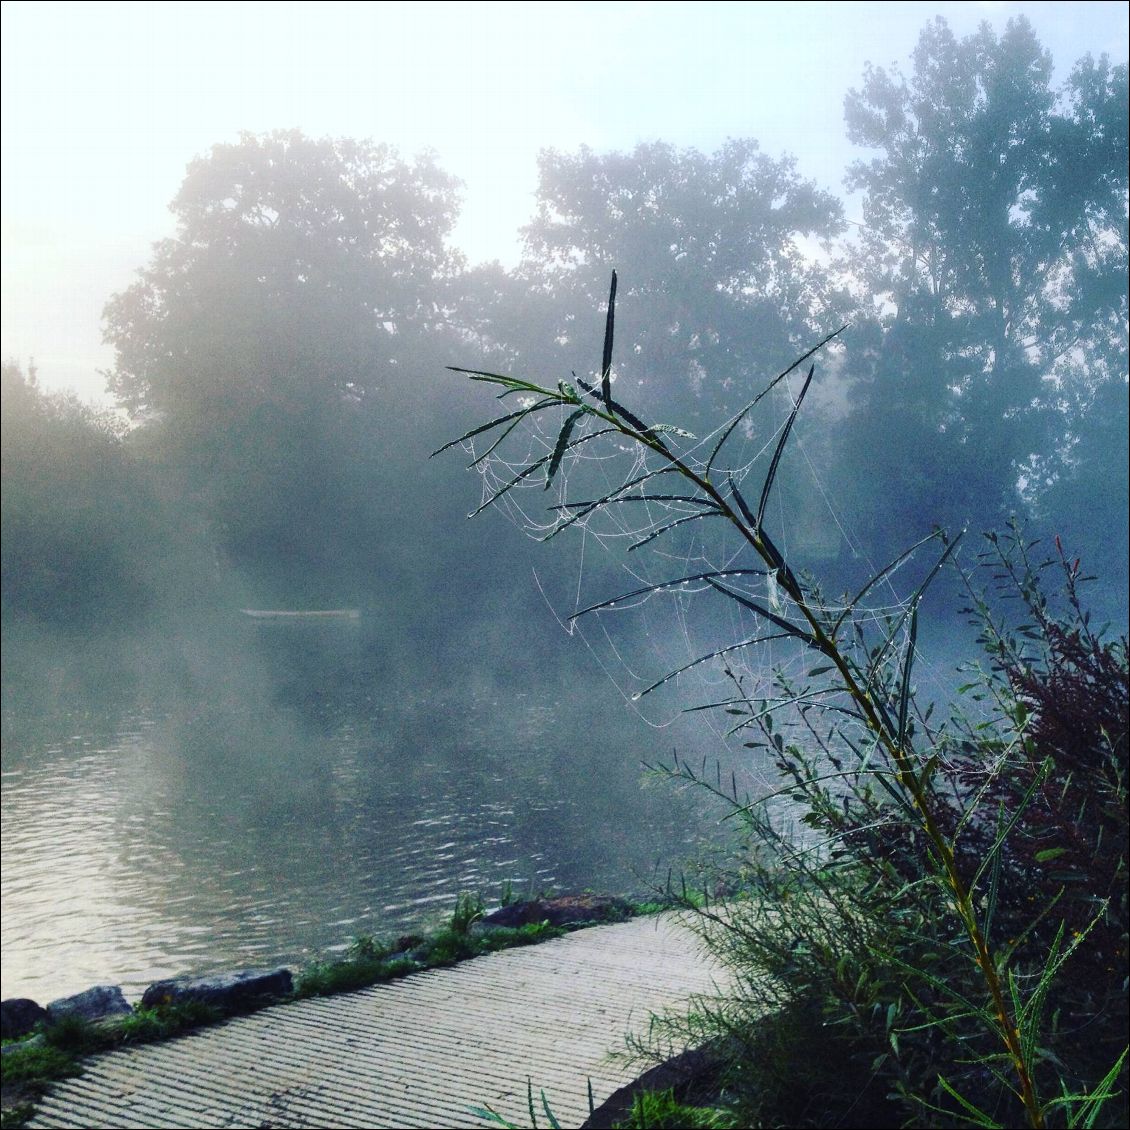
pixel 940 906
pixel 467 911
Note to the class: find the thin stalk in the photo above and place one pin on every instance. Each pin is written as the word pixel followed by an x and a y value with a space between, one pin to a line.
pixel 823 641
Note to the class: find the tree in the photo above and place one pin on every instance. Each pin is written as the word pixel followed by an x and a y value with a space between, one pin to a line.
pixel 304 288
pixel 287 249
pixel 717 287
pixel 993 254
pixel 78 519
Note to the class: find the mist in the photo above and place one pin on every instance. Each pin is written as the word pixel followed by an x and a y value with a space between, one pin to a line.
pixel 281 381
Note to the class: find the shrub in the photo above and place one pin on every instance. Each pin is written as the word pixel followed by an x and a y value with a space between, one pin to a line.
pixel 877 1009
pixel 935 912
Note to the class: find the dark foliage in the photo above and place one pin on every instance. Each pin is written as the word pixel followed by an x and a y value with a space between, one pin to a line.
pixel 1069 692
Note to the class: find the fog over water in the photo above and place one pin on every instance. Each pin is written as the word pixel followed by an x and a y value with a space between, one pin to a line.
pixel 141 844
pixel 187 787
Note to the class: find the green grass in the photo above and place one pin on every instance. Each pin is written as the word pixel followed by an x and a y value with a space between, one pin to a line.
pixel 37 1063
pixel 146 1025
pixel 660 1110
pixel 324 979
pixel 17 1116
pixel 26 1073
pixel 445 947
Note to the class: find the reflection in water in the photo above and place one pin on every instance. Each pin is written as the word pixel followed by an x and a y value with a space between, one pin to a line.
pixel 166 840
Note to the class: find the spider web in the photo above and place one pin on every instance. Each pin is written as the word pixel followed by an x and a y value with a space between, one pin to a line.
pixel 654 545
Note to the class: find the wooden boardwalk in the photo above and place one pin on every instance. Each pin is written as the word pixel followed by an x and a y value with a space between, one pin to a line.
pixel 419 1052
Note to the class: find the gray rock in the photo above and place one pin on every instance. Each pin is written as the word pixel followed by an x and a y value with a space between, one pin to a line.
pixel 99 1003
pixel 18 1016
pixel 229 991
pixel 565 910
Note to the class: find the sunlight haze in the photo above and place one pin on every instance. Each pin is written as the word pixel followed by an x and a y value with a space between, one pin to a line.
pixel 105 104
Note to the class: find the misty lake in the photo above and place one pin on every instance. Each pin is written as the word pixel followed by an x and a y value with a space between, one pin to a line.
pixel 164 826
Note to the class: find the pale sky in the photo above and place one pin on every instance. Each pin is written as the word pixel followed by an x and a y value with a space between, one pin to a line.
pixel 104 104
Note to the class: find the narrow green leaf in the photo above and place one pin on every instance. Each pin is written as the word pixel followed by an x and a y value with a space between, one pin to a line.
pixel 530 1102
pixel 1084 1109
pixel 976 1115
pixel 516 416
pixel 950 990
pixel 488 1114
pixel 671 525
pixel 743 506
pixel 753 606
pixel 1018 811
pixel 587 508
pixel 884 572
pixel 729 429
pixel 613 406
pixel 506 431
pixel 526 472
pixel 784 573
pixel 606 356
pixel 994 881
pixel 706 658
pixel 907 668
pixel 689 499
pixel 561 445
pixel 771 475
pixel 911 606
pixel 495 378
pixel 647 589
pixel 553 1123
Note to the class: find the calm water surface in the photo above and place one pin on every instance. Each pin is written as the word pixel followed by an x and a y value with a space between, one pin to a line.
pixel 147 835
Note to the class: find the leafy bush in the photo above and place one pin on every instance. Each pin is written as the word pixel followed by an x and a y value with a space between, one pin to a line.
pixel 878 1012
pixel 943 937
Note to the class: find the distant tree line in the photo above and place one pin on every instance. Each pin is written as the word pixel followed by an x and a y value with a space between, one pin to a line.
pixel 281 356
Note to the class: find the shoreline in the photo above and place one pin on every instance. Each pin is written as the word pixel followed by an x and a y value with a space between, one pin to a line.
pixel 59 1037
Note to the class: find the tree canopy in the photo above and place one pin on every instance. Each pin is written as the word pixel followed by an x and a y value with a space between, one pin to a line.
pixel 302 299
pixel 993 256
pixel 710 248
pixel 301 268
pixel 287 338
pixel 77 518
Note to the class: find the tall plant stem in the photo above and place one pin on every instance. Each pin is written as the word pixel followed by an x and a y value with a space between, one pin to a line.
pixel 824 642
pixel 603 407
pixel 900 756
